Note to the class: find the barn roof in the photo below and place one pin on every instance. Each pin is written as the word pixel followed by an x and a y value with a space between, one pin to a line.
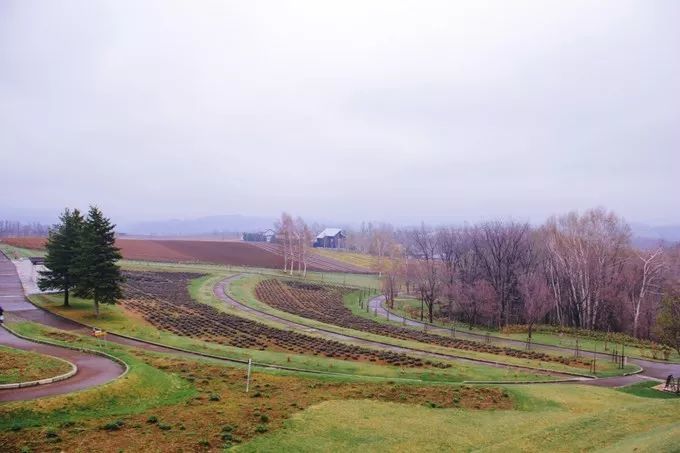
pixel 329 232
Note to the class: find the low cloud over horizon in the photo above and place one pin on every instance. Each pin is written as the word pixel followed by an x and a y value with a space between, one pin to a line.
pixel 435 111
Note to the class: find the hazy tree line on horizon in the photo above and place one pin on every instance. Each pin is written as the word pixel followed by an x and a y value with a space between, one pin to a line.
pixel 9 228
pixel 575 270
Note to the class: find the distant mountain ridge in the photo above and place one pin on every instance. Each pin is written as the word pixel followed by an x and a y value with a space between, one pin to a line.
pixel 648 233
pixel 232 223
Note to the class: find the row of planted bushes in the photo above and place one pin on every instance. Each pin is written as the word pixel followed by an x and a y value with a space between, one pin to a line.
pixel 614 337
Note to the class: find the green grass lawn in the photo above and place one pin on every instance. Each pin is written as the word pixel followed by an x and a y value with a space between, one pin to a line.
pixel 18 252
pixel 548 418
pixel 368 262
pixel 646 389
pixel 544 417
pixel 22 366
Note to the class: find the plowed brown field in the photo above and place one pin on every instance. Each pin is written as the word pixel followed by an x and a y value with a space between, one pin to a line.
pixel 231 253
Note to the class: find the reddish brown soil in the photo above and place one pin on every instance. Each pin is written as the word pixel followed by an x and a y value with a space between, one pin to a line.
pixel 232 253
pixel 34 243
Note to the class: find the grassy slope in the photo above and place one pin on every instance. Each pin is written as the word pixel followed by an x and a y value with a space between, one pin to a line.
pixel 546 418
pixel 367 281
pixel 363 260
pixel 116 319
pixel 143 387
pixel 646 389
pixel 243 291
pixel 23 366
pixel 567 341
pixel 550 418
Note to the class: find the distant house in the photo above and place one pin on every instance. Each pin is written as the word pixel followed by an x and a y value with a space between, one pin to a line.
pixel 263 236
pixel 269 235
pixel 330 238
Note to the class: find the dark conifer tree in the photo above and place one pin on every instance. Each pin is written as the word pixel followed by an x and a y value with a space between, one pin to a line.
pixel 99 276
pixel 63 246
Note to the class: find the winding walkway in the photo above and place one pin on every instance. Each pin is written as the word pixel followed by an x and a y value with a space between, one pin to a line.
pixel 220 290
pixel 93 369
pixel 651 369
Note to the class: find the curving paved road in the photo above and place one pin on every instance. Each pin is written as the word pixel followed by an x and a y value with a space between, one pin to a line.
pixel 93 370
pixel 220 290
pixel 651 369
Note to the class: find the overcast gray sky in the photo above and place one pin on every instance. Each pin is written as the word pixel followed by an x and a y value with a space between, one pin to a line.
pixel 384 110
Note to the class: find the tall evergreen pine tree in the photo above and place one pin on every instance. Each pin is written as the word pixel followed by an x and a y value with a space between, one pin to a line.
pixel 63 246
pixel 99 277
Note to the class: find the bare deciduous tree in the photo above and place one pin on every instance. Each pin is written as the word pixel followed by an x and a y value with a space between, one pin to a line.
pixel 285 230
pixel 643 272
pixel 536 298
pixel 392 272
pixel 504 253
pixel 422 246
pixel 586 251
pixel 303 240
pixel 475 300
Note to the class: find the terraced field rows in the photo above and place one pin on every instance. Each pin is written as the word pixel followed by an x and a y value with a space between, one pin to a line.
pixel 325 303
pixel 164 301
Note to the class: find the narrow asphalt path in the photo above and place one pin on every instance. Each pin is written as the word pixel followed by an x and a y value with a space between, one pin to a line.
pixel 651 369
pixel 220 290
pixel 93 369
